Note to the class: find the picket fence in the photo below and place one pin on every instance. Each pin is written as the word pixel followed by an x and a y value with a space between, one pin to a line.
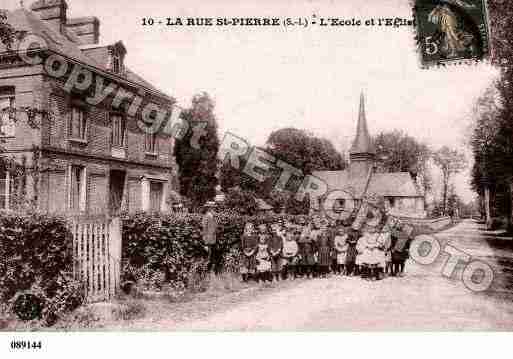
pixel 97 255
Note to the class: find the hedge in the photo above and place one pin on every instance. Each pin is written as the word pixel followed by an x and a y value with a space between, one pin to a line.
pixel 36 266
pixel 168 249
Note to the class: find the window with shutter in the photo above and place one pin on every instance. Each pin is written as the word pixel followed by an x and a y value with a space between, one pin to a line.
pixel 77 128
pixel 7 115
pixel 118 124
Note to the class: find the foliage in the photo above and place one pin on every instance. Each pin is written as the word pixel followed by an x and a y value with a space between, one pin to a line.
pixel 196 152
pixel 297 148
pixel 241 201
pixel 37 258
pixel 450 162
pixel 279 199
pixel 399 152
pixel 492 138
pixel 7 32
pixel 304 151
pixel 231 177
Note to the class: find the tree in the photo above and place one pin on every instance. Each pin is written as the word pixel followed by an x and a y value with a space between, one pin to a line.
pixel 7 31
pixel 196 152
pixel 298 148
pixel 278 199
pixel 400 152
pixel 304 151
pixel 488 170
pixel 244 202
pixel 492 175
pixel 450 163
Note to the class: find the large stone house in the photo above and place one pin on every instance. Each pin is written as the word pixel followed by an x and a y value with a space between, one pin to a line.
pixel 80 156
pixel 398 189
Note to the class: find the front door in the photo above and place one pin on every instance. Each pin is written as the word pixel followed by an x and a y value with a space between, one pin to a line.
pixel 156 192
pixel 116 190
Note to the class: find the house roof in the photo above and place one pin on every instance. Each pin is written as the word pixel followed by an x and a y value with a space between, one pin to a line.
pixel 396 184
pixel 68 45
pixel 30 23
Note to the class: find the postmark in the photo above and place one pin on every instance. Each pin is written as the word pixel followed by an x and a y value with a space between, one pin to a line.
pixel 451 31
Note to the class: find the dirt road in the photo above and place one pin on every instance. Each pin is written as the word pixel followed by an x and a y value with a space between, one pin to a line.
pixel 422 300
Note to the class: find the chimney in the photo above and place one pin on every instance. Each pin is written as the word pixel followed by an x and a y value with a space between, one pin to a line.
pixel 87 29
pixel 53 12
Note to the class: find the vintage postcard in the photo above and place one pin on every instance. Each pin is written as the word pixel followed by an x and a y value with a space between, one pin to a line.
pixel 255 166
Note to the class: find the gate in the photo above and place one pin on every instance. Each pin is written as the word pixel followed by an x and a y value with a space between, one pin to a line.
pixel 97 255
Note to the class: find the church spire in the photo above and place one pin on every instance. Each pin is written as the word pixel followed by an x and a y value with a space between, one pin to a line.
pixel 362 143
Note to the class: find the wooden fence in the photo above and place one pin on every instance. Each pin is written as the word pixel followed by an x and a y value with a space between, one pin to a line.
pixel 97 255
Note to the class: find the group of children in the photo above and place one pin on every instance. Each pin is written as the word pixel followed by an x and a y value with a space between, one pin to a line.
pixel 314 249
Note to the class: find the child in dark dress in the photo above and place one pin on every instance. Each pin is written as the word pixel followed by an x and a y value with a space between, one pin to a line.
pixel 275 247
pixel 249 243
pixel 323 253
pixel 401 249
pixel 352 241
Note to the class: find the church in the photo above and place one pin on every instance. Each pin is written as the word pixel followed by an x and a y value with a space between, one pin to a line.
pixel 401 194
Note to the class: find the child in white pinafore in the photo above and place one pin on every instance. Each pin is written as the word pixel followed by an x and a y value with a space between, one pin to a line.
pixel 340 244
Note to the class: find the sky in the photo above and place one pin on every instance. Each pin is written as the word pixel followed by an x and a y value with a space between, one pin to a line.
pixel 264 79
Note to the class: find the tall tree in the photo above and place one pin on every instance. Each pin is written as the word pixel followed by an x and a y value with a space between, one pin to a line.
pixel 492 140
pixel 450 163
pixel 296 147
pixel 304 151
pixel 399 152
pixel 488 169
pixel 196 152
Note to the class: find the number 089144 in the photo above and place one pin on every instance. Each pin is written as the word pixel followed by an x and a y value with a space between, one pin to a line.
pixel 26 345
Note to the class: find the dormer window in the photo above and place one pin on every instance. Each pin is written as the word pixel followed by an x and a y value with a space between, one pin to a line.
pixel 116 64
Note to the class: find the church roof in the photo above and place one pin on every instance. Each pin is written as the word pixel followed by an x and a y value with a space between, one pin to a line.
pixel 362 142
pixel 66 44
pixel 395 184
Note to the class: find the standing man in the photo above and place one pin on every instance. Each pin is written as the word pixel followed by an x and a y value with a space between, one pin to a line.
pixel 209 228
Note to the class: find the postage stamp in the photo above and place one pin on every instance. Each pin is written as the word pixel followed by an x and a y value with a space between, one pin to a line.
pixel 452 31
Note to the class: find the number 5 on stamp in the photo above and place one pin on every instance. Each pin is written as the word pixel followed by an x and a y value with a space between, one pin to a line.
pixel 451 31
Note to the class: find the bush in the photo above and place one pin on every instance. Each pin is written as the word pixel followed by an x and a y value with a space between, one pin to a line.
pixel 168 249
pixel 241 200
pixel 36 252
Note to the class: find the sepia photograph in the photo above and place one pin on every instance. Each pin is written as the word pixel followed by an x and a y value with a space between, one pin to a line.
pixel 255 166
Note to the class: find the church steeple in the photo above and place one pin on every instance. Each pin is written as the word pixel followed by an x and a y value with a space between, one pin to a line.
pixel 362 152
pixel 362 143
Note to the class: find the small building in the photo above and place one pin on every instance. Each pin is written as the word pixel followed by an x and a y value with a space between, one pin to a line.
pixel 83 156
pixel 398 189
